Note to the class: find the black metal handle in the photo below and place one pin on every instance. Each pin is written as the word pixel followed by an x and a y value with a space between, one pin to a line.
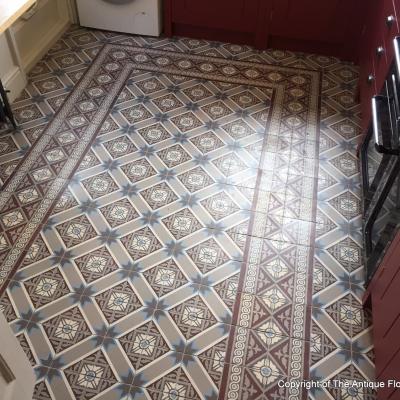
pixel 394 108
pixel 375 117
pixel 5 107
pixel 383 150
pixel 380 148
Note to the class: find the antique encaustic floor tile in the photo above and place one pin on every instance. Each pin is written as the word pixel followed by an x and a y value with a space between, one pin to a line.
pixel 180 219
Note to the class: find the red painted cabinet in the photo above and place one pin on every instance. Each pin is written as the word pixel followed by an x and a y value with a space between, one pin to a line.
pixel 236 21
pixel 376 50
pixel 321 21
pixel 389 27
pixel 382 45
pixel 233 15
pixel 329 27
pixel 383 296
pixel 376 57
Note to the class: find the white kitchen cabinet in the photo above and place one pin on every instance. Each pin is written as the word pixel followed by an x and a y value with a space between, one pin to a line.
pixel 24 43
pixel 36 35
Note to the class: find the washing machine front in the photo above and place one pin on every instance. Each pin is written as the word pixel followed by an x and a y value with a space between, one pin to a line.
pixel 142 17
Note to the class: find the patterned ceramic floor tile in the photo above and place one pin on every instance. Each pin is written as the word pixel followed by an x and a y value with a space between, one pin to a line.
pixel 172 246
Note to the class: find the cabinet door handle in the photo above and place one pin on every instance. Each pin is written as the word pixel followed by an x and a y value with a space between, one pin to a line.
pixel 376 125
pixel 390 20
pixel 370 79
pixel 375 118
pixel 380 50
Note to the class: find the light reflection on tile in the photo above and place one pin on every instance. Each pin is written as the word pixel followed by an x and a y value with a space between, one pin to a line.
pixel 169 264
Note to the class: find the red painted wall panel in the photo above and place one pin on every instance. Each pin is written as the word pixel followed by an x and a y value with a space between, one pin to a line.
pixel 384 294
pixel 391 372
pixel 234 15
pixel 329 27
pixel 323 21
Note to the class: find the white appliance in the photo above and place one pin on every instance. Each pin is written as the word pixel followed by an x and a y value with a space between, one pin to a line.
pixel 141 17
